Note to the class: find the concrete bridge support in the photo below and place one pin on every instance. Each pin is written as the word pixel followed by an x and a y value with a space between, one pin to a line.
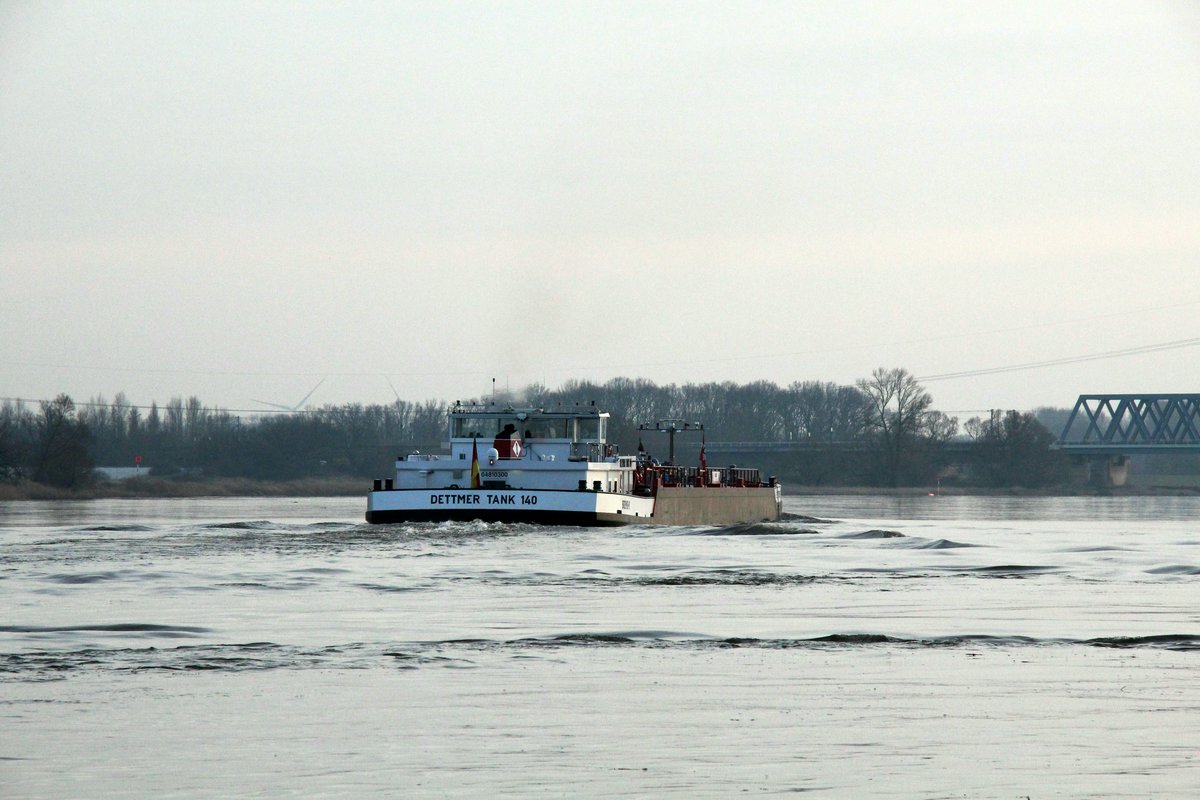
pixel 1105 471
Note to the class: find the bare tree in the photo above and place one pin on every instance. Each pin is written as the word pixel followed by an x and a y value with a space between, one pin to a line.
pixel 13 455
pixel 897 405
pixel 61 453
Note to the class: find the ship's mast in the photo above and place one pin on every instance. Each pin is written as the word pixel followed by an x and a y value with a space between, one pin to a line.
pixel 672 427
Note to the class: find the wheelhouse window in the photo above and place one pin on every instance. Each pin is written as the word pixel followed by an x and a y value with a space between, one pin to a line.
pixel 481 426
pixel 589 429
pixel 546 428
pixel 533 427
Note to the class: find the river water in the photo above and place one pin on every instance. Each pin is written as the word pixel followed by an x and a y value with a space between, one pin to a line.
pixel 865 646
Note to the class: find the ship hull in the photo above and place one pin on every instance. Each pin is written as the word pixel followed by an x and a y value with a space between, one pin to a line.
pixel 671 506
pixel 544 507
pixel 717 505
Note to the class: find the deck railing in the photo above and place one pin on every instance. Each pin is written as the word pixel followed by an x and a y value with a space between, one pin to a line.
pixel 664 475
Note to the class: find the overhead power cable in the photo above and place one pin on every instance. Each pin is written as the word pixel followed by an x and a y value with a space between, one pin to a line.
pixel 568 369
pixel 1058 362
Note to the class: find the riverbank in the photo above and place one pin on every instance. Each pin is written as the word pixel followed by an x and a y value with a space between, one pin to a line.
pixel 350 487
pixel 163 487
pixel 983 491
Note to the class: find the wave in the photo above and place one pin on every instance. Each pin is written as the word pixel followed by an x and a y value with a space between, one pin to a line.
pixel 1168 641
pixel 252 656
pixel 55 665
pixel 80 578
pixel 914 542
pixel 753 529
pixel 119 627
pixel 575 640
pixel 790 517
pixel 418 660
pixel 855 638
pixel 937 544
pixel 249 525
pixel 456 653
pixel 722 577
pixel 378 587
pixel 114 529
pixel 872 534
pixel 1177 642
pixel 662 576
pixel 1012 570
pixel 1175 569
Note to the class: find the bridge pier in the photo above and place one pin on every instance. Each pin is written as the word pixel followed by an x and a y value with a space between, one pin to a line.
pixel 1105 471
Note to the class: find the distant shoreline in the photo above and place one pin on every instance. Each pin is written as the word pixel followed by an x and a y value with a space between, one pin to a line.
pixel 151 488
pixel 983 491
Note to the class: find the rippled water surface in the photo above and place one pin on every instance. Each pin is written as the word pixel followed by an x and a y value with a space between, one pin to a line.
pixel 865 646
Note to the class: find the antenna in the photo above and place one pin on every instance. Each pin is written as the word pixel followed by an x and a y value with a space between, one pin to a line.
pixel 672 427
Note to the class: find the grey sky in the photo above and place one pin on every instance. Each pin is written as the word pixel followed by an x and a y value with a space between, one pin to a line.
pixel 237 200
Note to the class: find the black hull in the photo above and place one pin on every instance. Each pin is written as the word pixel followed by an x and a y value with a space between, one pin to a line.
pixel 567 518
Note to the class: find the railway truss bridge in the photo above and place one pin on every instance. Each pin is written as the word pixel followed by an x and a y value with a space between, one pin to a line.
pixel 1106 429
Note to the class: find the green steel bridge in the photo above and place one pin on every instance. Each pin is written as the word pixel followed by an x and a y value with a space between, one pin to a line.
pixel 1127 424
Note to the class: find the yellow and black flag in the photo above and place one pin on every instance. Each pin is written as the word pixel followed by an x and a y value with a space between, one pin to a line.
pixel 475 482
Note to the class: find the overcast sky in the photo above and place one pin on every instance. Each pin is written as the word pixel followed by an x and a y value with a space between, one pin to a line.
pixel 238 200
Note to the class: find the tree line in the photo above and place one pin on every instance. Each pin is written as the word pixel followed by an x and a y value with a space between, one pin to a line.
pixel 882 431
